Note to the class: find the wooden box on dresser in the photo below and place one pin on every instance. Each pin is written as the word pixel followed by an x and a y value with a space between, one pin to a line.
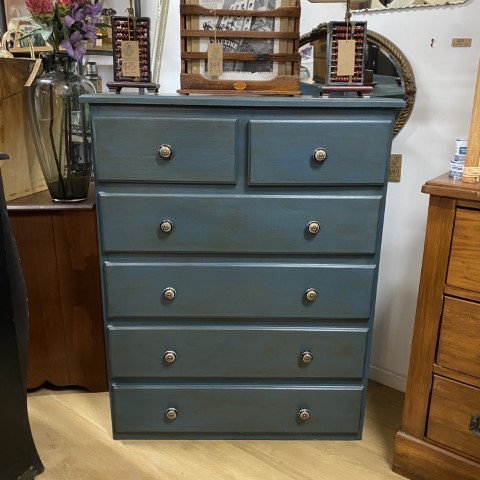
pixel 239 245
pixel 440 433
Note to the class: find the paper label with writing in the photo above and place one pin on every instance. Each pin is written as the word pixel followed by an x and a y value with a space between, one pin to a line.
pixel 215 59
pixel 130 59
pixel 346 57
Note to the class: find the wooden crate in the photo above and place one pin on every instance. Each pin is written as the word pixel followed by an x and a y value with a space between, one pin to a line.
pixel 260 46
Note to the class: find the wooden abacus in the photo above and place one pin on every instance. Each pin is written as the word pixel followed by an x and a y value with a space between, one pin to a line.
pixel 131 54
pixel 336 79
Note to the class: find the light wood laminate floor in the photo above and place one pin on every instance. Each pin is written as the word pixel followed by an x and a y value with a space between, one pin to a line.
pixel 72 433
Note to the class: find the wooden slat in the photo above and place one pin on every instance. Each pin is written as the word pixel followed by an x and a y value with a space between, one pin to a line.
pixel 461 292
pixel 236 34
pixel 202 11
pixel 276 57
pixel 283 83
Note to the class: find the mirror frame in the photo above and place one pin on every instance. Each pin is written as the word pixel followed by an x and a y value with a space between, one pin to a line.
pixel 397 57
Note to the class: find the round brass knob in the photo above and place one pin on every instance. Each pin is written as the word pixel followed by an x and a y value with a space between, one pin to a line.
pixel 165 151
pixel 166 226
pixel 170 356
pixel 319 154
pixel 303 414
pixel 311 294
pixel 169 293
pixel 171 413
pixel 313 227
pixel 306 357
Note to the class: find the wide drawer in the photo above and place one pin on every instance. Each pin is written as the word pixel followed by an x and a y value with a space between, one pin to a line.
pixel 238 290
pixel 249 351
pixel 236 409
pixel 282 152
pixel 464 265
pixel 459 343
pixel 221 224
pixel 203 150
pixel 452 407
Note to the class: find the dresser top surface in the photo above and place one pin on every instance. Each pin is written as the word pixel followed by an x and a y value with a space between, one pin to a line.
pixel 446 186
pixel 302 101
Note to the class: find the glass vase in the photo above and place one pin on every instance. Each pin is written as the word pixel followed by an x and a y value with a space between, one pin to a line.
pixel 60 126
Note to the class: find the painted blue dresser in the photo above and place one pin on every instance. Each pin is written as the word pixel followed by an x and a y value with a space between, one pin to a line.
pixel 239 242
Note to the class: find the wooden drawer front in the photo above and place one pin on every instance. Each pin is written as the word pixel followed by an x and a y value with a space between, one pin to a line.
pixel 281 152
pixel 451 408
pixel 464 266
pixel 236 352
pixel 250 290
pixel 204 150
pixel 222 224
pixel 459 344
pixel 236 409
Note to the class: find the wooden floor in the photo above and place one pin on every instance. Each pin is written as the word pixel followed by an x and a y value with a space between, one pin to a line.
pixel 72 433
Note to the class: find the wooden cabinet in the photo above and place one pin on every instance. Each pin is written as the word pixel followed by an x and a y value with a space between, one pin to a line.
pixel 440 433
pixel 239 248
pixel 58 250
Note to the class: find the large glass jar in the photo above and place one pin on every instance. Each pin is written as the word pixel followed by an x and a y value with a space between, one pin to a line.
pixel 61 128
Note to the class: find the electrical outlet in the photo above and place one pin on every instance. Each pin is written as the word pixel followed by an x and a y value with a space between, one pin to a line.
pixel 395 170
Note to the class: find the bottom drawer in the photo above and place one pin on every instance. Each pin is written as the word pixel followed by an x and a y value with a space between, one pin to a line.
pixel 236 410
pixel 451 409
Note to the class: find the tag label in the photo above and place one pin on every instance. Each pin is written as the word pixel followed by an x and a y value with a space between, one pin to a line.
pixel 346 57
pixel 130 59
pixel 215 59
pixel 34 72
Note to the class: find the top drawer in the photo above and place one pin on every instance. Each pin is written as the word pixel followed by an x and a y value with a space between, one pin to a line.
pixel 464 265
pixel 203 150
pixel 281 152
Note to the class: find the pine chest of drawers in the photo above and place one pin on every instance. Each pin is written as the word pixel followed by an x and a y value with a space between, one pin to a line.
pixel 239 244
pixel 440 433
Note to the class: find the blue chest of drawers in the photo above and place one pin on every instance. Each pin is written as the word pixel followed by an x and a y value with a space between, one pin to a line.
pixel 239 243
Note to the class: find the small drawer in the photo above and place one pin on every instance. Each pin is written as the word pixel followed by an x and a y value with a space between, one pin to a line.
pixel 464 265
pixel 235 409
pixel 241 290
pixel 250 351
pixel 459 344
pixel 283 152
pixel 243 224
pixel 454 419
pixel 202 150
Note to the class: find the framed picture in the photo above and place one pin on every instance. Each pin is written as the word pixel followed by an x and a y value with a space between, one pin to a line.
pixel 258 43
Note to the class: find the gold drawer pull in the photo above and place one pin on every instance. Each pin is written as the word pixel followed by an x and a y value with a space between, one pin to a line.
pixel 313 227
pixel 169 293
pixel 166 226
pixel 311 294
pixel 306 357
pixel 319 154
pixel 170 356
pixel 303 414
pixel 171 413
pixel 165 151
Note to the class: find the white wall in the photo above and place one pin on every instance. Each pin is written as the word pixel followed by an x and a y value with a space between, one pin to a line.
pixel 445 78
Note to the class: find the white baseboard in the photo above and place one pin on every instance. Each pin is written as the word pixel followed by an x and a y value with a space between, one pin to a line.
pixel 390 379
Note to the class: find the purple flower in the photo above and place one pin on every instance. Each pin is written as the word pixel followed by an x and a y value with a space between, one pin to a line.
pixel 73 23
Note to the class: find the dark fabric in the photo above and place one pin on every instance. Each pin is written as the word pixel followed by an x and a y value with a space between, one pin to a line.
pixel 18 456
